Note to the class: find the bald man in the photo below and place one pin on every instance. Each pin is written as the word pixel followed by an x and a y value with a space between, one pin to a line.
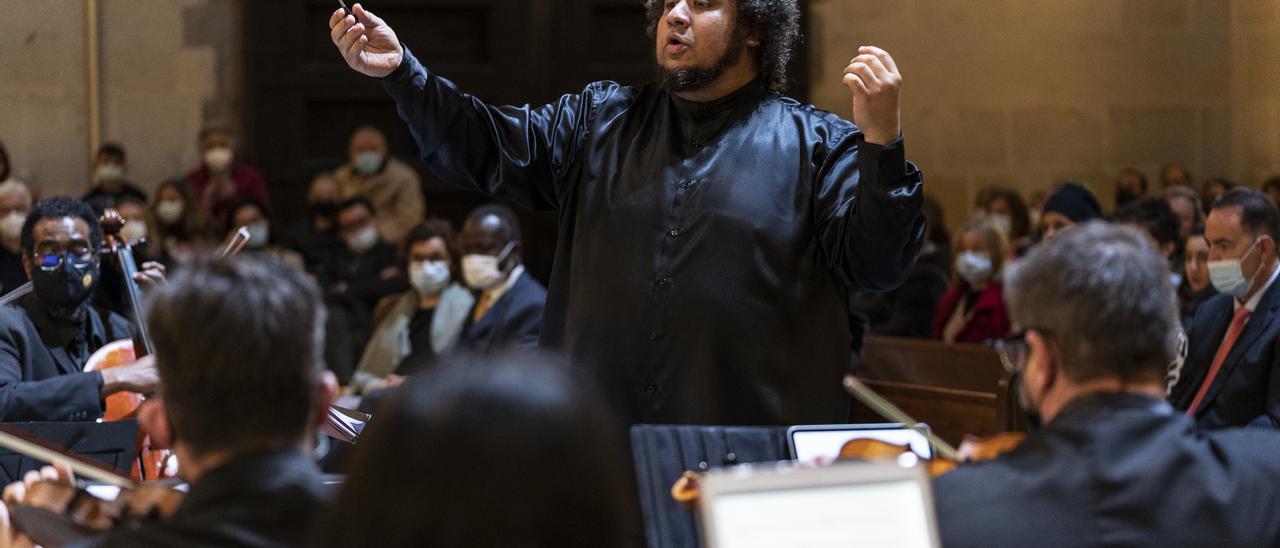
pixel 392 185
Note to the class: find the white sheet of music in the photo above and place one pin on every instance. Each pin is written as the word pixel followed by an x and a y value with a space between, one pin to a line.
pixel 889 514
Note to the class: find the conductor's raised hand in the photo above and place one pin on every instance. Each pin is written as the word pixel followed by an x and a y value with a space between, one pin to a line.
pixel 365 41
pixel 874 79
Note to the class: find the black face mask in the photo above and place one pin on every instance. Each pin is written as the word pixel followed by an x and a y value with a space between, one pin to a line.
pixel 66 286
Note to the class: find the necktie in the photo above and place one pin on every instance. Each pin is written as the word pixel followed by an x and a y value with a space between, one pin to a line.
pixel 1233 333
pixel 482 307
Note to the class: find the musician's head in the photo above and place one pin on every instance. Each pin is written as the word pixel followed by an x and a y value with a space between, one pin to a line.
pixel 239 348
pixel 1096 312
pixel 516 451
pixel 60 241
pixel 699 41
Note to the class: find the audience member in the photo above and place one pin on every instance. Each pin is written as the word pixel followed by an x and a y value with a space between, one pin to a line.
pixel 390 184
pixel 365 270
pixel 1197 287
pixel 1113 463
pixel 1156 219
pixel 1009 213
pixel 972 310
pixel 253 216
pixel 221 181
pixel 508 312
pixel 15 203
pixel 1174 174
pixel 1233 357
pixel 1271 187
pixel 519 426
pixel 242 391
pixel 1212 189
pixel 1185 203
pixel 7 173
pixel 908 310
pixel 1070 205
pixel 179 227
pixel 316 237
pixel 109 185
pixel 1131 186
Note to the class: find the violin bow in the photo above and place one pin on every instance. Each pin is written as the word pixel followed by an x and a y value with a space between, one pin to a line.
pixel 892 412
pixel 32 446
pixel 237 242
pixel 17 293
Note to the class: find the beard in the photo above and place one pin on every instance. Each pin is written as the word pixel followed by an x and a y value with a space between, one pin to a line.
pixel 698 78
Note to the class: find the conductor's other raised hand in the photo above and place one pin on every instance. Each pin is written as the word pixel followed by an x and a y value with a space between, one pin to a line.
pixel 365 41
pixel 874 79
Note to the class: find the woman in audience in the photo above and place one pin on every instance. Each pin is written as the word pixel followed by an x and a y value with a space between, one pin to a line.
pixel 1008 212
pixel 1070 205
pixel 972 310
pixel 177 224
pixel 1196 287
pixel 252 215
pixel 429 317
pixel 501 452
pixel 1185 203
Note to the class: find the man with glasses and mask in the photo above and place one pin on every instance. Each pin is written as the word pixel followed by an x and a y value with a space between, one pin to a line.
pixel 508 310
pixel 1231 375
pixel 1113 463
pixel 47 336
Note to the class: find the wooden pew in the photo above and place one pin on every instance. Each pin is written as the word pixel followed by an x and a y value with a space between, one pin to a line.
pixel 956 389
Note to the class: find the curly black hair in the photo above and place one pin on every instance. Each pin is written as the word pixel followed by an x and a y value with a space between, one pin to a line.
pixel 58 207
pixel 776 24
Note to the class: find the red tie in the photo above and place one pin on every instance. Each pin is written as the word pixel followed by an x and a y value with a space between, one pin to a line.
pixel 1233 333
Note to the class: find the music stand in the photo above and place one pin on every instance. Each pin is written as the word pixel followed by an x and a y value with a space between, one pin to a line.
pixel 113 443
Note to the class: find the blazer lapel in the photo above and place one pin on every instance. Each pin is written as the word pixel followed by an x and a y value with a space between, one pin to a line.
pixel 1201 356
pixel 1259 323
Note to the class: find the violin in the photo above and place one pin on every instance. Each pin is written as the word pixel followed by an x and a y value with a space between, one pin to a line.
pixel 54 514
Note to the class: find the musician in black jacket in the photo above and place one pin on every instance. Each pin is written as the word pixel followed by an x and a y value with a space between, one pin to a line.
pixel 1114 464
pixel 47 336
pixel 243 386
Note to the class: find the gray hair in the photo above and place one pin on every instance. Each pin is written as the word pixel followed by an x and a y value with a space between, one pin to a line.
pixel 1104 295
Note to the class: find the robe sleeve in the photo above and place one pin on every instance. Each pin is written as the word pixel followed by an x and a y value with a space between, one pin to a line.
pixel 867 204
pixel 522 153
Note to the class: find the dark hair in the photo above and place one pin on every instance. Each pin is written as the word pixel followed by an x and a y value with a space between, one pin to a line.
pixel 510 230
pixel 428 230
pixel 776 24
pixel 210 130
pixel 1270 183
pixel 1127 171
pixel 112 149
pixel 1258 213
pixel 472 427
pixel 357 201
pixel 5 168
pixel 1153 215
pixel 1019 218
pixel 1113 314
pixel 58 207
pixel 239 345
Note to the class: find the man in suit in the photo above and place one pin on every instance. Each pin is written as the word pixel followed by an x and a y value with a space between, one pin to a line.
pixel 47 336
pixel 1229 378
pixel 508 310
pixel 1114 463
pixel 242 391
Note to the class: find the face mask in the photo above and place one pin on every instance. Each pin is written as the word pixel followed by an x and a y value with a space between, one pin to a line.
pixel 11 225
pixel 429 277
pixel 481 272
pixel 218 159
pixel 363 240
pixel 108 173
pixel 367 163
pixel 169 212
pixel 66 286
pixel 1227 275
pixel 974 268
pixel 1003 222
pixel 134 231
pixel 259 235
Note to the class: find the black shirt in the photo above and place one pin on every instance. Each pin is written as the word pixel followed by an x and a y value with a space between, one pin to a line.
pixel 12 274
pixel 705 252
pixel 100 199
pixel 422 355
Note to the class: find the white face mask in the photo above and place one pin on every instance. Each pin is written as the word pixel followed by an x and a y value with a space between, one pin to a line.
pixel 259 235
pixel 218 159
pixel 367 163
pixel 481 272
pixel 363 240
pixel 11 225
pixel 108 173
pixel 429 277
pixel 974 268
pixel 134 230
pixel 169 211
pixel 1227 275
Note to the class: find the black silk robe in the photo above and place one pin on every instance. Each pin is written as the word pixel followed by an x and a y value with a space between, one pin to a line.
pixel 705 251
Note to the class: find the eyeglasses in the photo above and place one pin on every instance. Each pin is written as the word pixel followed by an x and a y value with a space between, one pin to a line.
pixel 1013 349
pixel 51 260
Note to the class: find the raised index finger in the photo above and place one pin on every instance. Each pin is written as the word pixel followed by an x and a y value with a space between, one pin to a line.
pixel 338 14
pixel 882 55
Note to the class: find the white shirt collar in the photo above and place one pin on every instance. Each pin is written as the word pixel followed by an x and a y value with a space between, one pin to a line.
pixel 497 292
pixel 1252 304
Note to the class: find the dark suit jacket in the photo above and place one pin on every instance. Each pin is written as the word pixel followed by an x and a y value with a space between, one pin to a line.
pixel 514 322
pixel 1118 470
pixel 263 499
pixel 41 371
pixel 1246 390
